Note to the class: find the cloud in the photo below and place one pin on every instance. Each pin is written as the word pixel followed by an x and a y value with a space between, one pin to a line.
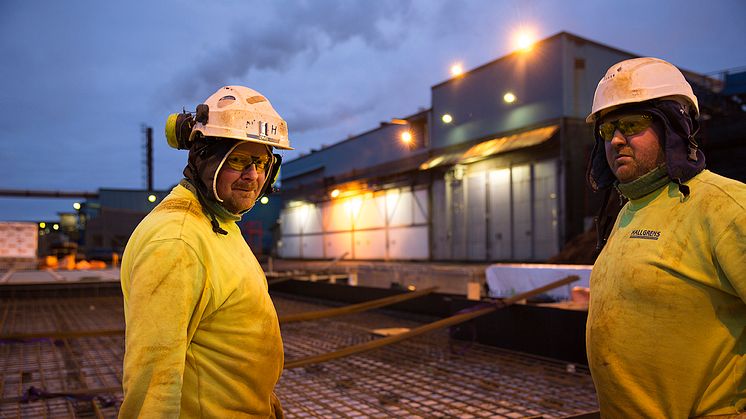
pixel 303 119
pixel 292 30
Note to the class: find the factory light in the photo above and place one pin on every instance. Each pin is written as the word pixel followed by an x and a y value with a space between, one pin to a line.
pixel 151 198
pixel 76 206
pixel 42 224
pixel 446 118
pixel 264 200
pixel 406 137
pixel 457 69
pixel 509 97
pixel 524 39
pixel 55 226
pixel 335 193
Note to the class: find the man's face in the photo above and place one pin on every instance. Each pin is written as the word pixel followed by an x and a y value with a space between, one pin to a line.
pixel 242 177
pixel 634 154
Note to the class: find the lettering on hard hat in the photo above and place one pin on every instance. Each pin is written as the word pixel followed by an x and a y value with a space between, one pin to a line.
pixel 264 129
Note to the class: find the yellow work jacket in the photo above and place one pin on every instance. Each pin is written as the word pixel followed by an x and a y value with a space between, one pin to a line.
pixel 666 332
pixel 203 339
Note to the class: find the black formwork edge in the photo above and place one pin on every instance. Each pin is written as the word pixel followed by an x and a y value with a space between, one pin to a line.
pixel 539 330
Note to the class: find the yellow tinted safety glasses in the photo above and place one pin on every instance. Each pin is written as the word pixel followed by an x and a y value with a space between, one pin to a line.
pixel 241 161
pixel 627 125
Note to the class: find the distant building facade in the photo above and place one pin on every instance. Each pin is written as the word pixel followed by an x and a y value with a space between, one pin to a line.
pixel 493 171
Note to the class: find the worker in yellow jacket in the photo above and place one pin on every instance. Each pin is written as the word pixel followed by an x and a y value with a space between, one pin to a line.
pixel 203 339
pixel 666 332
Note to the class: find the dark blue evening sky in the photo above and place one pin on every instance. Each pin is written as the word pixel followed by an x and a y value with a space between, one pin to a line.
pixel 79 78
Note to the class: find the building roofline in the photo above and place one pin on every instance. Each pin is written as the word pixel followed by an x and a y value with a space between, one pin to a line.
pixel 542 41
pixel 382 125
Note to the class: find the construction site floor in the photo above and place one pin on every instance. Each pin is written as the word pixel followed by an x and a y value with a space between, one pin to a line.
pixel 78 373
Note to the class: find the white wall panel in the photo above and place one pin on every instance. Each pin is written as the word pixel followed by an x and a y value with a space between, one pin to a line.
pixel 546 233
pixel 313 219
pixel 370 244
pixel 290 222
pixel 421 206
pixel 522 212
pixel 500 223
pixel 336 215
pixel 458 220
pixel 441 243
pixel 290 247
pixel 336 244
pixel 372 212
pixel 399 205
pixel 312 246
pixel 476 223
pixel 408 243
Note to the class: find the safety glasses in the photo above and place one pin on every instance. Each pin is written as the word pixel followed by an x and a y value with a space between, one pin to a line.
pixel 241 161
pixel 627 125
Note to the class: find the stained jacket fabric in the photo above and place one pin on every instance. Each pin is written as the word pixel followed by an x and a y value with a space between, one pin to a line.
pixel 666 331
pixel 203 339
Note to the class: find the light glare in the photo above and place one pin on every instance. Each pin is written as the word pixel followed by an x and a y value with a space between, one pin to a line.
pixel 524 39
pixel 151 198
pixel 264 200
pixel 406 137
pixel 56 226
pixel 335 193
pixel 509 97
pixel 446 118
pixel 457 69
pixel 42 224
pixel 76 206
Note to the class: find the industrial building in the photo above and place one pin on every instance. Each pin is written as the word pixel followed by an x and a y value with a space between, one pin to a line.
pixel 494 170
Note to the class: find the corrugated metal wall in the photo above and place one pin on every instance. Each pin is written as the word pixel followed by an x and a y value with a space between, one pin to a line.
pixel 498 214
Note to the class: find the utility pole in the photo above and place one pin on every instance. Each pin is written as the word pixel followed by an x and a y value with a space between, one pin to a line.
pixel 148 156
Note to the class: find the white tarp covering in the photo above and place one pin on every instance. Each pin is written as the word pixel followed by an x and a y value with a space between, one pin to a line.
pixel 508 279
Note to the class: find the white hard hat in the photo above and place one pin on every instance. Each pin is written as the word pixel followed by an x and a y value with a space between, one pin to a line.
pixel 639 80
pixel 243 114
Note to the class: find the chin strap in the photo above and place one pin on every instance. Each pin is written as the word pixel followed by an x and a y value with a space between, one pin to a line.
pixel 216 225
pixel 684 189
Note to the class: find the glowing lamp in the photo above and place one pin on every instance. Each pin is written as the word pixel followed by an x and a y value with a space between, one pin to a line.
pixel 509 97
pixel 457 70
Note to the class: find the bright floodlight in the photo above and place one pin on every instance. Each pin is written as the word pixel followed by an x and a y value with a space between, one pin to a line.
pixel 151 198
pixel 56 226
pixel 42 224
pixel 457 69
pixel 76 206
pixel 524 39
pixel 509 97
pixel 335 193
pixel 406 137
pixel 264 200
pixel 446 118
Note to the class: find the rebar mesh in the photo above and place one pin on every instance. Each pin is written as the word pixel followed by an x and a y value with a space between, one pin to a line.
pixel 427 376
